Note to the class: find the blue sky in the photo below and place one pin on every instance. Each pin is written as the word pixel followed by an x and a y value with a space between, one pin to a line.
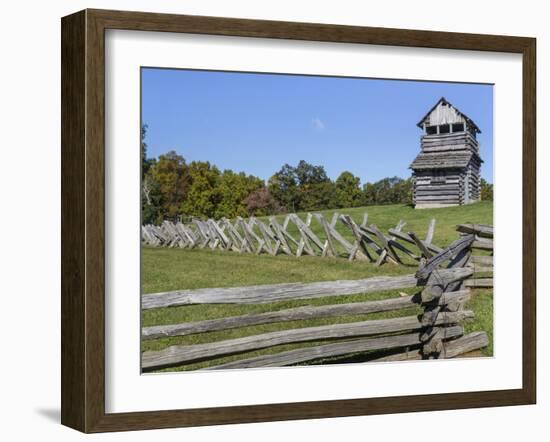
pixel 257 122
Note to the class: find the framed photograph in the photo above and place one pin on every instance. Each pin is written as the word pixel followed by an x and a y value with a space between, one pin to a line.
pixel 267 220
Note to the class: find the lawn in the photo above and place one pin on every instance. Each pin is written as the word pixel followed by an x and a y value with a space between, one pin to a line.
pixel 174 269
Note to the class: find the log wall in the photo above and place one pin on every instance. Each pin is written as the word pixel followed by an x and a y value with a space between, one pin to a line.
pixel 440 187
pixel 449 142
pixel 449 180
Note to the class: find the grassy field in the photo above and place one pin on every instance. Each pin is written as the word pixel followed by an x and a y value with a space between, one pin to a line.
pixel 173 269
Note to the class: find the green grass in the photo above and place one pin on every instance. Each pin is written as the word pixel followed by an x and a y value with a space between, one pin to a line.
pixel 177 269
pixel 174 269
pixel 482 305
pixel 386 217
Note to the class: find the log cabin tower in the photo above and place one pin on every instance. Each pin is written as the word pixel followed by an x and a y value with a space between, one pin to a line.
pixel 446 172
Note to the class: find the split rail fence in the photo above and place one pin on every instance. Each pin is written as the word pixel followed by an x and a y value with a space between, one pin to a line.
pixel 273 237
pixel 367 241
pixel 444 279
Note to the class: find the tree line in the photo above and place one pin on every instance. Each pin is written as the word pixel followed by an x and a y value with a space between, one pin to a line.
pixel 173 188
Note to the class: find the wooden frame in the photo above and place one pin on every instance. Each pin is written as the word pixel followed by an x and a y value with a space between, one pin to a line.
pixel 83 216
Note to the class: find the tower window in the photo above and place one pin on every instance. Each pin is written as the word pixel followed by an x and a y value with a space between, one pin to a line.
pixel 431 130
pixel 458 127
pixel 444 129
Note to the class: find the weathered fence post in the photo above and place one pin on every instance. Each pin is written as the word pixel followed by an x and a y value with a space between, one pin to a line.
pixel 434 298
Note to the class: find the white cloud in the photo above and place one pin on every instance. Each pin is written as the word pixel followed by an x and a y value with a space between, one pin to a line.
pixel 317 123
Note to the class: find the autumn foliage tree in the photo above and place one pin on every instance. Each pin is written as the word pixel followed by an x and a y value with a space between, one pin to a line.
pixel 262 203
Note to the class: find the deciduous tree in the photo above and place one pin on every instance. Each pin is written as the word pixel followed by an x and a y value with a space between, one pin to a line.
pixel 233 190
pixel 204 194
pixel 348 190
pixel 283 186
pixel 391 190
pixel 261 203
pixel 171 174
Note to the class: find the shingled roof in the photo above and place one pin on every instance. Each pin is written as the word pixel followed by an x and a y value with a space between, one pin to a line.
pixel 435 160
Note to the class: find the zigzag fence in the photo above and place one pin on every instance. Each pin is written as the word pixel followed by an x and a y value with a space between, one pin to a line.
pixel 253 235
pixel 444 279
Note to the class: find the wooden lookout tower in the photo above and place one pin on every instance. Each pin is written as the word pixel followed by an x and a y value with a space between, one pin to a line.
pixel 446 172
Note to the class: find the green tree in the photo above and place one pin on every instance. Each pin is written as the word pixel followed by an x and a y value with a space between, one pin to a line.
pixel 308 174
pixel 403 190
pixel 348 190
pixel 233 189
pixel 316 190
pixel 171 174
pixel 368 198
pixel 304 187
pixel 283 186
pixel 151 201
pixel 392 190
pixel 204 194
pixel 318 196
pixel 486 190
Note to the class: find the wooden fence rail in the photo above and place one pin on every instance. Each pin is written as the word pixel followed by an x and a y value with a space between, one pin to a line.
pixel 293 236
pixel 262 294
pixel 337 349
pixel 293 314
pixel 445 278
pixel 180 354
